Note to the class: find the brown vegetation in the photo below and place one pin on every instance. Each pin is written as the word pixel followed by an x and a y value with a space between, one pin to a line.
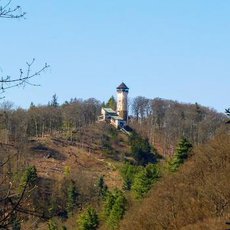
pixel 196 197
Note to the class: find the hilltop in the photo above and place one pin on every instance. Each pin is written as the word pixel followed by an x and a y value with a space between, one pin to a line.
pixel 71 164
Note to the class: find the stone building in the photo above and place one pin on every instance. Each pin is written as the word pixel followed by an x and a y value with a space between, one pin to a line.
pixel 117 118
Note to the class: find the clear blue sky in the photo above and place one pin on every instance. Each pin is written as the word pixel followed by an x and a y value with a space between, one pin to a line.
pixel 178 50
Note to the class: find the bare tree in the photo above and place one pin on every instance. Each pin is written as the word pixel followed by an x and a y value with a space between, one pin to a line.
pixel 10 203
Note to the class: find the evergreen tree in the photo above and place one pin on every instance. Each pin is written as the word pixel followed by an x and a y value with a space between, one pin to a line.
pixel 112 103
pixel 108 204
pixel 102 187
pixel 227 111
pixel 144 180
pixel 88 220
pixel 117 212
pixel 140 148
pixel 52 225
pixel 71 197
pixel 29 177
pixel 128 173
pixel 54 101
pixel 114 208
pixel 182 151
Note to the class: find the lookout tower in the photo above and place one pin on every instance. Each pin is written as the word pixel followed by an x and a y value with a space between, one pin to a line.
pixel 122 101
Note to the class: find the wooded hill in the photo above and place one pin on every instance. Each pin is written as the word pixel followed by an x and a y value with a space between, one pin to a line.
pixel 60 169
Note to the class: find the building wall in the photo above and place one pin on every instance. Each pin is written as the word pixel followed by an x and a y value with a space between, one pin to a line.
pixel 122 104
pixel 124 115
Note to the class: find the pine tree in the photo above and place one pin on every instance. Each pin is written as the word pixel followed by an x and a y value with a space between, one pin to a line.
pixel 128 173
pixel 111 103
pixel 108 204
pixel 114 208
pixel 117 212
pixel 102 187
pixel 52 225
pixel 88 220
pixel 227 111
pixel 54 101
pixel 144 180
pixel 71 197
pixel 182 151
pixel 29 177
pixel 140 148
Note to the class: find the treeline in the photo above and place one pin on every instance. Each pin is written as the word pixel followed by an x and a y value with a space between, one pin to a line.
pixel 37 121
pixel 164 122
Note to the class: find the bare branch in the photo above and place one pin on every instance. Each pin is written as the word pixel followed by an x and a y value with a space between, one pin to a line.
pixel 23 79
pixel 7 12
pixel 2 221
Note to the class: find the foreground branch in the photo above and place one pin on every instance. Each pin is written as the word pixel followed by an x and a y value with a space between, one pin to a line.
pixel 7 12
pixel 23 79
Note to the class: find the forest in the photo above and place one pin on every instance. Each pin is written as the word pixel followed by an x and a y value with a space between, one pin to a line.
pixel 61 169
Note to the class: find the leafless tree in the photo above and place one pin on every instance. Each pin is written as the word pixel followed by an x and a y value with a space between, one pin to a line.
pixel 10 203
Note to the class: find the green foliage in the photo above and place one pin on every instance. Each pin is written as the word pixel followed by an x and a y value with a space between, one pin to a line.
pixel 71 197
pixel 140 149
pixel 29 177
pixel 128 173
pixel 114 208
pixel 67 171
pixel 111 103
pixel 144 180
pixel 108 204
pixel 117 212
pixel 88 220
pixel 181 154
pixel 52 225
pixel 103 188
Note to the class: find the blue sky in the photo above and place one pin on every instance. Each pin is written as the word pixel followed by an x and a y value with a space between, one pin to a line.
pixel 178 50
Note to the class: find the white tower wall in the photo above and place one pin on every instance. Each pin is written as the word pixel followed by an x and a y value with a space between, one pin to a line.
pixel 122 101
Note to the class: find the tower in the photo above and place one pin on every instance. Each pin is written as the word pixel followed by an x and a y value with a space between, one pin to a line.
pixel 122 101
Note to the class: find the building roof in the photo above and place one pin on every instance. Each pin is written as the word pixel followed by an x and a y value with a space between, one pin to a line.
pixel 122 86
pixel 109 110
pixel 112 114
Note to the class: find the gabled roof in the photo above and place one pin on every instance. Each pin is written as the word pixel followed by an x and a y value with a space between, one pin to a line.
pixel 110 111
pixel 122 86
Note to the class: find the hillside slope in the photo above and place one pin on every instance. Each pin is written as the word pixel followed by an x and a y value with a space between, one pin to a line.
pixel 196 197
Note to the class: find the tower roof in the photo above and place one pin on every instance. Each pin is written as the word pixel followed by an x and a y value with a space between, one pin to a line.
pixel 122 86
